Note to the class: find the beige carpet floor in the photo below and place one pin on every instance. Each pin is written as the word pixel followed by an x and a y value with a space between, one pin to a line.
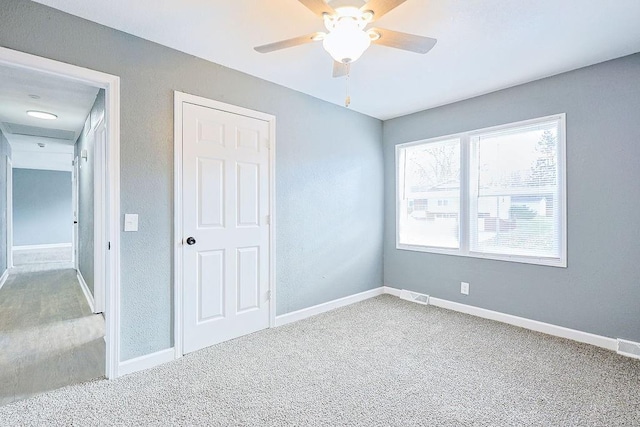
pixel 41 256
pixel 382 362
pixel 48 336
pixel 33 260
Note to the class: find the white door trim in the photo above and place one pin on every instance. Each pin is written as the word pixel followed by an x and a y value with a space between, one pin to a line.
pixel 76 207
pixel 100 226
pixel 9 214
pixel 179 99
pixel 111 85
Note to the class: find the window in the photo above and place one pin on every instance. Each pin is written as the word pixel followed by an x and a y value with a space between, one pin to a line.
pixel 494 193
pixel 430 202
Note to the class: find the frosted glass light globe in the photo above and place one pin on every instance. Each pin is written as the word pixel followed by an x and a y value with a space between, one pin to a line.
pixel 347 41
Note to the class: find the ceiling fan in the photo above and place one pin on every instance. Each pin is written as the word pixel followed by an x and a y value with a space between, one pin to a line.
pixel 347 37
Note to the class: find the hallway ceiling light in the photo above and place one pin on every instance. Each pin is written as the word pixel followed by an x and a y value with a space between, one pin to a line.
pixel 42 115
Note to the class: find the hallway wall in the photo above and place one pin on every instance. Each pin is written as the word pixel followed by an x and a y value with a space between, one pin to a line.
pixel 42 210
pixel 86 190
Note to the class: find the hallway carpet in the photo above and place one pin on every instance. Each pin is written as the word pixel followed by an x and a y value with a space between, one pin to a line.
pixel 41 256
pixel 48 336
pixel 381 362
pixel 32 260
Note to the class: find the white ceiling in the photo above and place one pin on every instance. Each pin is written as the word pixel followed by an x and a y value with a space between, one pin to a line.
pixel 70 101
pixel 483 45
pixel 28 155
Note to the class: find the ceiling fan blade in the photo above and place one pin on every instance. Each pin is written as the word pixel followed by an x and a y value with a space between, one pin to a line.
pixel 340 69
pixel 296 41
pixel 381 7
pixel 404 41
pixel 318 7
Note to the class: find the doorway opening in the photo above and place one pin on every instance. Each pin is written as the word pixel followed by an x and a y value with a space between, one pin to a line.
pixel 59 234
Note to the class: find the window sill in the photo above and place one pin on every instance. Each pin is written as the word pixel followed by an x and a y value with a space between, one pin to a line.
pixel 547 262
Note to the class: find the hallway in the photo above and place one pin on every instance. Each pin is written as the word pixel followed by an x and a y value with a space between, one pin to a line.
pixel 48 336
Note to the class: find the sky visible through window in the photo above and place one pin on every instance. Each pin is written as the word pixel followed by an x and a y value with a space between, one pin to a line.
pixel 516 159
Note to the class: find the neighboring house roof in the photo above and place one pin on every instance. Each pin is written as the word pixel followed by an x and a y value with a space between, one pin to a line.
pixel 447 189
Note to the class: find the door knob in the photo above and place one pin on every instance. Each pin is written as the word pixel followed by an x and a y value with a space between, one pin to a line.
pixel 191 241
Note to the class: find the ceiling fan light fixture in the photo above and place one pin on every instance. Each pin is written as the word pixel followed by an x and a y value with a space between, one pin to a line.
pixel 346 42
pixel 347 36
pixel 367 15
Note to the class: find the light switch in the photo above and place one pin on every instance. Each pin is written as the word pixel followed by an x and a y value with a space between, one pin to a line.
pixel 130 222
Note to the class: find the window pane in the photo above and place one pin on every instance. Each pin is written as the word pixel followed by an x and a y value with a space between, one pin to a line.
pixel 430 195
pixel 514 194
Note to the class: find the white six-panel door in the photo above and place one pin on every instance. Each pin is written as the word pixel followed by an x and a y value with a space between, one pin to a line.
pixel 225 207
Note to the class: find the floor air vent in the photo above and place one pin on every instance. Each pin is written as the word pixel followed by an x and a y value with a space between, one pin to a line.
pixel 629 348
pixel 414 297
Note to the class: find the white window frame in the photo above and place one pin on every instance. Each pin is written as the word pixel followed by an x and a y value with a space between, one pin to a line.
pixel 464 221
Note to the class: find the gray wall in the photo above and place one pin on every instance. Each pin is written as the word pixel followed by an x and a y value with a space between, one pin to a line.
pixel 85 191
pixel 599 292
pixel 5 152
pixel 42 207
pixel 328 176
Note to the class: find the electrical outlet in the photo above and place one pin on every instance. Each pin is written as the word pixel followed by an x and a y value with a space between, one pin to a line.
pixel 464 288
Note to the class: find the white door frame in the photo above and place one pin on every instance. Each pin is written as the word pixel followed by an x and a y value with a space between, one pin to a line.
pixel 178 237
pixel 100 225
pixel 75 207
pixel 111 85
pixel 9 213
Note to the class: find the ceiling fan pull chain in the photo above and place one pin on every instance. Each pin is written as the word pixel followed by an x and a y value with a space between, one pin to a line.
pixel 347 99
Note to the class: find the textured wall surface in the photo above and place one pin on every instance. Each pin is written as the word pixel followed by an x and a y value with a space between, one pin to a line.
pixel 42 207
pixel 599 291
pixel 329 169
pixel 85 190
pixel 5 152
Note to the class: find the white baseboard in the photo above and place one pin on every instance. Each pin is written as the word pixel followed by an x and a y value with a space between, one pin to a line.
pixel 534 325
pixel 35 247
pixel 392 291
pixel 3 278
pixel 146 362
pixel 294 316
pixel 86 291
